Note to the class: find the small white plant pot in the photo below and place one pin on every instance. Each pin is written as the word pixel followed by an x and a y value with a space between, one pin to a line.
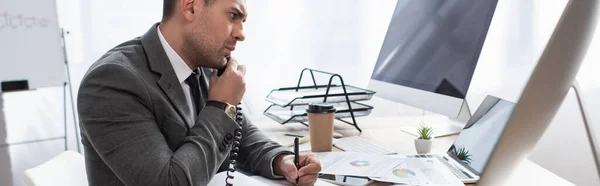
pixel 423 146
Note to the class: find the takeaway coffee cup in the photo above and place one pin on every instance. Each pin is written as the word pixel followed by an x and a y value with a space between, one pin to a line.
pixel 320 126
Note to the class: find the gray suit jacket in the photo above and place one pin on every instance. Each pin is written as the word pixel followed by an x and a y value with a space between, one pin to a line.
pixel 134 124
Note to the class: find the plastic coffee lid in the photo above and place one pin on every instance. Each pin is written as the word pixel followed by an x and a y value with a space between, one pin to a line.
pixel 320 108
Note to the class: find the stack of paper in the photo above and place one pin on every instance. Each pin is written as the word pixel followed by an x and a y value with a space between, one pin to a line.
pixel 393 169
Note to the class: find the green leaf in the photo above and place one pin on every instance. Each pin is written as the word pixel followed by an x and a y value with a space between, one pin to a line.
pixel 424 132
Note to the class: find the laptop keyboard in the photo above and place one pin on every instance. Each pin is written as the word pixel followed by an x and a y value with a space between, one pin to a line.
pixel 457 172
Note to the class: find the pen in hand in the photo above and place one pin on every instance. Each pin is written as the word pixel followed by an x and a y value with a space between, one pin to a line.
pixel 296 156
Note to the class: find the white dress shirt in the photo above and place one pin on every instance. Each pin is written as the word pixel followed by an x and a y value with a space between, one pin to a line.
pixel 182 70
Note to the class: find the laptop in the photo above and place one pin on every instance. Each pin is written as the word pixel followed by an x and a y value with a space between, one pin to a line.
pixel 471 150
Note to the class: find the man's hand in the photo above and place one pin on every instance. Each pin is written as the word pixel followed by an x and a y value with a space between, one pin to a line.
pixel 309 168
pixel 230 86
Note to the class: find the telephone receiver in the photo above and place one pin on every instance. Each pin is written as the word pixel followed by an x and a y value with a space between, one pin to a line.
pixel 221 70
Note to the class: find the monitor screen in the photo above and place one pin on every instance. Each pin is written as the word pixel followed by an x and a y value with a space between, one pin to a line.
pixel 477 140
pixel 434 45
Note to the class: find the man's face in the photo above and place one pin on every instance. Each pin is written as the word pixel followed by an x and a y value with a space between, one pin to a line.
pixel 212 36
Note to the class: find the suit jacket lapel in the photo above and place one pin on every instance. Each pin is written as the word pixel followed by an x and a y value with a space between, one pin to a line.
pixel 168 82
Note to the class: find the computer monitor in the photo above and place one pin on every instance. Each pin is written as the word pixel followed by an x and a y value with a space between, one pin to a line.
pixel 545 91
pixel 430 52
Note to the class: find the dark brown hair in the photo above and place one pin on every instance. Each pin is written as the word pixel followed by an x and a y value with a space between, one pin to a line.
pixel 169 7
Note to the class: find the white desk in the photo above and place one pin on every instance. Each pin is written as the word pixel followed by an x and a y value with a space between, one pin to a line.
pixel 386 131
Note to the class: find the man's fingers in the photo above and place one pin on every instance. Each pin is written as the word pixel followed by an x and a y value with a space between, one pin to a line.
pixel 311 168
pixel 310 165
pixel 242 69
pixel 305 159
pixel 233 64
pixel 289 171
pixel 308 173
pixel 308 180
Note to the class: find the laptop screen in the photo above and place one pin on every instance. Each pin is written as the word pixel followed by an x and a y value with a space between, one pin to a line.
pixel 477 140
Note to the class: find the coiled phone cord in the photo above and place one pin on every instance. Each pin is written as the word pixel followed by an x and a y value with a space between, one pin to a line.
pixel 236 147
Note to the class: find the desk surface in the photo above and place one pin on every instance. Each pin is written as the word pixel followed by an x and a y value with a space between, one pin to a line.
pixel 387 132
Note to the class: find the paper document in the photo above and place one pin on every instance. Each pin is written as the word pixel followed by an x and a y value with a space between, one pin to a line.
pixel 240 179
pixel 356 164
pixel 287 183
pixel 393 169
pixel 243 179
pixel 416 171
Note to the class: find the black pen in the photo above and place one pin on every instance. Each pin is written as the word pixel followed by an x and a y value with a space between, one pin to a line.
pixel 297 156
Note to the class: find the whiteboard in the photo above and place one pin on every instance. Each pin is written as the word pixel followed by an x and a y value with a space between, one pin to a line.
pixel 30 43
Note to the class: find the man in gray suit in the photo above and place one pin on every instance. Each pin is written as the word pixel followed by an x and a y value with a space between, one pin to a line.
pixel 149 116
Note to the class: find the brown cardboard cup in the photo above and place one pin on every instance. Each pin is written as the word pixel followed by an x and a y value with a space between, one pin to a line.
pixel 320 126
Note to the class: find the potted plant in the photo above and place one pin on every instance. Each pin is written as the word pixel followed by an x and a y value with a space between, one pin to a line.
pixel 425 139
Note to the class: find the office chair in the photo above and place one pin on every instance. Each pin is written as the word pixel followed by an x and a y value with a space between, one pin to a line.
pixel 65 169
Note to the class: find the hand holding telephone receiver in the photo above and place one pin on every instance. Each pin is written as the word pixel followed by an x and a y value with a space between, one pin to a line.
pixel 227 83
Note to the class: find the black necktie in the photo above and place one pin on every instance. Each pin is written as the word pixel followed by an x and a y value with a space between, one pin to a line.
pixel 192 81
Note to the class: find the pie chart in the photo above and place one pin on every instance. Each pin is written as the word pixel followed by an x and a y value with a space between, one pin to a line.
pixel 360 163
pixel 404 173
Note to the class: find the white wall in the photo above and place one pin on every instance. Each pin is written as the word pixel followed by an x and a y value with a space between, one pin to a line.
pixel 510 52
pixel 108 23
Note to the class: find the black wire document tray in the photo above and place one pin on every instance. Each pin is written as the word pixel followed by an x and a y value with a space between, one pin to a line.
pixel 290 103
pixel 305 95
pixel 284 115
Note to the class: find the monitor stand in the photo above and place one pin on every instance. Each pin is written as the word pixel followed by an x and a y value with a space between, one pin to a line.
pixel 445 127
pixel 588 125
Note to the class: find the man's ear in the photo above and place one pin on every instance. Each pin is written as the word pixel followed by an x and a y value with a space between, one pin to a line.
pixel 188 8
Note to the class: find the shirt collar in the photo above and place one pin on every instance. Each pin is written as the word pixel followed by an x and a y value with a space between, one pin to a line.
pixel 182 70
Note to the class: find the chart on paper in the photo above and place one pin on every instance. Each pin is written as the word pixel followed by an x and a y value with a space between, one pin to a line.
pixel 420 172
pixel 356 164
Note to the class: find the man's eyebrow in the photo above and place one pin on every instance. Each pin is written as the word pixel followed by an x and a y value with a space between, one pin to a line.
pixel 240 13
